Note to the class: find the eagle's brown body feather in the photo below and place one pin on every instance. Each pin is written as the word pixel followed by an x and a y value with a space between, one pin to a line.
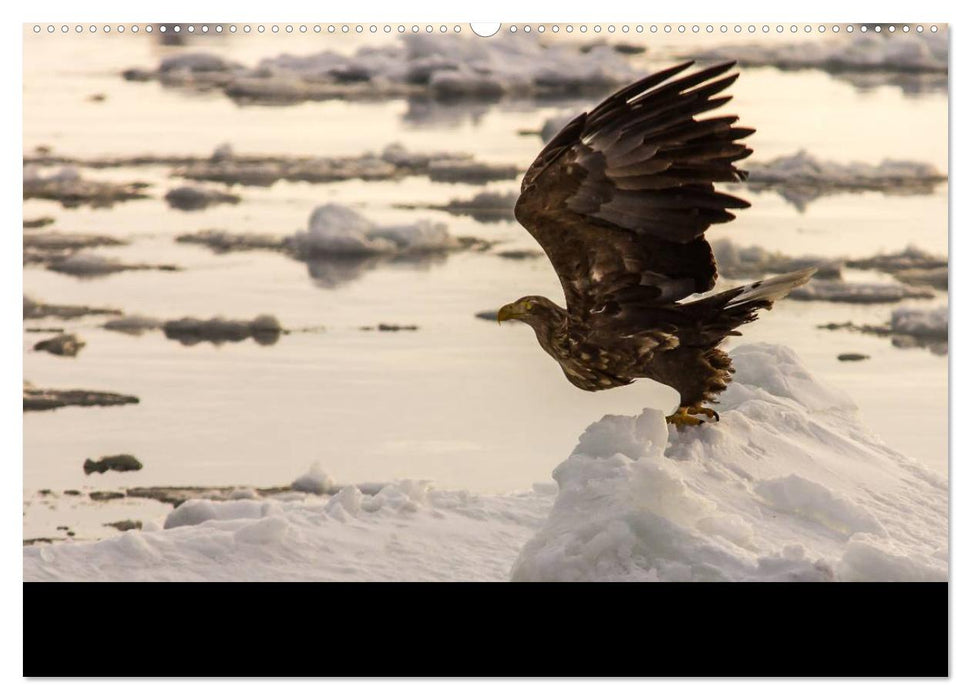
pixel 620 200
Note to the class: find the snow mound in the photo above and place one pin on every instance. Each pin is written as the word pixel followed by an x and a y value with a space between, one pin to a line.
pixel 924 323
pixel 911 52
pixel 788 486
pixel 336 230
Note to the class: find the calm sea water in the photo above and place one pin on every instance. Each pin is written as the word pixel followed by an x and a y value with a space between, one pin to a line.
pixel 461 401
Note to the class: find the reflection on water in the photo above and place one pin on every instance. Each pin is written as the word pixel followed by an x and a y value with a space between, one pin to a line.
pixel 333 272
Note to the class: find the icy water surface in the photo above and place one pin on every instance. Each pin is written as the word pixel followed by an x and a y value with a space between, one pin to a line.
pixel 459 401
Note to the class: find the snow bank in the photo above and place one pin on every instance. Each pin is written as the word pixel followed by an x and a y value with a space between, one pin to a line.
pixel 911 52
pixel 924 323
pixel 788 486
pixel 336 230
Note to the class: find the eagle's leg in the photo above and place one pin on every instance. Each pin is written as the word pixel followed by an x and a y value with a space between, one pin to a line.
pixel 680 418
pixel 695 410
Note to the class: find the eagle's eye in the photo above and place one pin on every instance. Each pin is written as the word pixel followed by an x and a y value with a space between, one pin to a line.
pixel 529 306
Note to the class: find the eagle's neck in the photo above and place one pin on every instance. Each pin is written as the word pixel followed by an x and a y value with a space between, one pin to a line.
pixel 553 335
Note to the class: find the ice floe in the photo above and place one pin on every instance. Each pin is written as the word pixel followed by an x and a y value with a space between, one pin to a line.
pixel 48 399
pixel 908 327
pixel 926 323
pixel 226 166
pixel 225 242
pixel 63 344
pixel 440 67
pixel 34 309
pixel 116 463
pixel 265 330
pixel 66 186
pixel 51 246
pixel 801 178
pixel 910 266
pixel 335 230
pixel 789 486
pixel 837 290
pixel 83 264
pixel 188 198
pixel 911 52
pixel 485 207
pixel 741 262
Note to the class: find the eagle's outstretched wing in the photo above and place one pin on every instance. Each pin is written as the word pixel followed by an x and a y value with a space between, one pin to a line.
pixel 621 197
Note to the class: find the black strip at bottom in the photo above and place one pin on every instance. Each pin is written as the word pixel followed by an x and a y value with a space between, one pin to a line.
pixel 485 630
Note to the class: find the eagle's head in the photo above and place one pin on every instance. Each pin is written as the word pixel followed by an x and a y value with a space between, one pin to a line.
pixel 536 311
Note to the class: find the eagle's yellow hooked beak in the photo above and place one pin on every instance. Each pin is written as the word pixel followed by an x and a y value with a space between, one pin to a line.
pixel 507 312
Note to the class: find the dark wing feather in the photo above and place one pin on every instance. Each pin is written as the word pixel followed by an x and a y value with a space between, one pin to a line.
pixel 621 197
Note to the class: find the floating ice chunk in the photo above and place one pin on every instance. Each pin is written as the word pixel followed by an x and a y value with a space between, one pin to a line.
pixel 195 63
pixel 336 230
pixel 190 198
pixel 426 65
pixel 801 167
pixel 735 261
pixel 925 323
pixel 911 52
pixel 84 264
pixel 313 481
pixel 422 237
pixel 133 325
pixel 859 292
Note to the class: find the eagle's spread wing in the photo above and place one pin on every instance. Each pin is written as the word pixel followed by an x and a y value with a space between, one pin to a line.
pixel 621 197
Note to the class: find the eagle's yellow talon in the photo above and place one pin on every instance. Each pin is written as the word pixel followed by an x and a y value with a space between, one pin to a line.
pixel 695 410
pixel 680 419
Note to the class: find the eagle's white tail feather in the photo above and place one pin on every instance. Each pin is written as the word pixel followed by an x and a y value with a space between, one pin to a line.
pixel 772 288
